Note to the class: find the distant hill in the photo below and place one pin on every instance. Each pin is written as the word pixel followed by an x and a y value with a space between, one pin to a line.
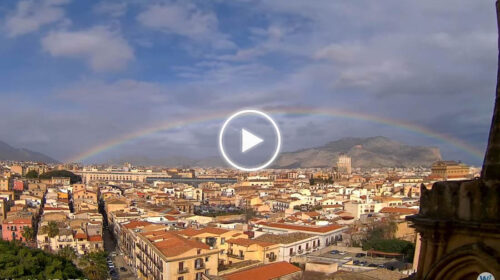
pixel 369 152
pixel 8 152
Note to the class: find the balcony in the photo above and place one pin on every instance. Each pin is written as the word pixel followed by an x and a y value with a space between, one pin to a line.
pixel 183 270
pixel 272 258
pixel 236 256
pixel 293 254
pixel 308 249
pixel 300 251
pixel 199 266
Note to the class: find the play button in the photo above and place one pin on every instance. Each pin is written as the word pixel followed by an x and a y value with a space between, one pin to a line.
pixel 249 140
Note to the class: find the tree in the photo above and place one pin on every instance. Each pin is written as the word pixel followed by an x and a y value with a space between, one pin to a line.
pixel 94 265
pixel 67 252
pixel 32 174
pixel 62 173
pixel 20 262
pixel 28 233
pixel 51 229
pixel 249 214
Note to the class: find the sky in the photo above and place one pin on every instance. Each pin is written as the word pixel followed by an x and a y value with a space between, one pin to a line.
pixel 77 74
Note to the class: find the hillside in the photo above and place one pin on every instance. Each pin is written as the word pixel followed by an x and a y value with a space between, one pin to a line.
pixel 8 152
pixel 369 152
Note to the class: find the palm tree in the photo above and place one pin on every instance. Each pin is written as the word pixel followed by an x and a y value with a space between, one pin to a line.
pixel 28 233
pixel 51 229
pixel 67 252
pixel 94 265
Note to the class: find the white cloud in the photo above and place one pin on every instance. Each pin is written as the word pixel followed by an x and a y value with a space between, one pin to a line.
pixel 185 20
pixel 31 15
pixel 115 9
pixel 103 49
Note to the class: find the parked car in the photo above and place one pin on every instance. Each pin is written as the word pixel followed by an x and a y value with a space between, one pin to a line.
pixel 334 252
pixel 123 269
pixel 360 255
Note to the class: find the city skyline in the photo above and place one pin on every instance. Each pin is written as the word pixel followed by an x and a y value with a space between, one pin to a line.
pixel 77 76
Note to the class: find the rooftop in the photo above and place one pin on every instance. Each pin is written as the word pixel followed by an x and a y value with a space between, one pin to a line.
pixel 284 238
pixel 265 272
pixel 314 229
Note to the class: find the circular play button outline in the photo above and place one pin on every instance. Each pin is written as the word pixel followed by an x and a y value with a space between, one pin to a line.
pixel 252 112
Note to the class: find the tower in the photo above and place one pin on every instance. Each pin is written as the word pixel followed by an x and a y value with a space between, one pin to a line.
pixel 344 164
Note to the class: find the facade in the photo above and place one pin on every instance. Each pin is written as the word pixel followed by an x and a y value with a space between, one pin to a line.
pixel 241 249
pixel 327 235
pixel 292 244
pixel 103 175
pixel 167 255
pixel 449 170
pixel 344 164
pixel 12 228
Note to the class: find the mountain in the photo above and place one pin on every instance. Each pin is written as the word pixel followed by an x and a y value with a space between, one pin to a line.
pixel 369 152
pixel 173 161
pixel 8 152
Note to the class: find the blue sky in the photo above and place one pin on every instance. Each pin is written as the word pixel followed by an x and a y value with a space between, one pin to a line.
pixel 74 74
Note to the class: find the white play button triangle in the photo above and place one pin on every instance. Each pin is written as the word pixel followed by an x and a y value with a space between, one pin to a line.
pixel 249 140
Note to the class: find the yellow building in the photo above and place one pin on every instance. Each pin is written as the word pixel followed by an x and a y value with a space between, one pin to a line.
pixel 449 170
pixel 240 249
pixel 166 255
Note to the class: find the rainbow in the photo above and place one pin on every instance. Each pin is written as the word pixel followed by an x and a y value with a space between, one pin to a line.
pixel 167 125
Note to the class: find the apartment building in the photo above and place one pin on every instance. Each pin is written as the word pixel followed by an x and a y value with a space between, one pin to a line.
pixel 167 255
pixel 292 244
pixel 327 235
pixel 241 249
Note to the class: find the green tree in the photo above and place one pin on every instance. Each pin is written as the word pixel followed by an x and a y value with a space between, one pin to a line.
pixel 94 265
pixel 20 262
pixel 68 253
pixel 51 229
pixel 249 214
pixel 28 233
pixel 32 174
pixel 62 173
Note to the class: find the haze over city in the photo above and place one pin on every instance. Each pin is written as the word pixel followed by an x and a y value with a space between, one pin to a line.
pixel 96 81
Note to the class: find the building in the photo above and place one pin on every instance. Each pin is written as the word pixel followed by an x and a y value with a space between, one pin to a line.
pixel 449 170
pixel 344 164
pixel 12 228
pixel 292 244
pixel 241 249
pixel 103 175
pixel 166 255
pixel 327 235
pixel 274 271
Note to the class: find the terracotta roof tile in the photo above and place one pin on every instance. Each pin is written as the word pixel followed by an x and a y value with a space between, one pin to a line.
pixel 248 242
pixel 136 224
pixel 95 238
pixel 322 229
pixel 399 210
pixel 266 272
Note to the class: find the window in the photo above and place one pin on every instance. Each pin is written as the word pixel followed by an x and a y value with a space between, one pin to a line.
pixel 222 240
pixel 181 266
pixel 206 259
pixel 180 278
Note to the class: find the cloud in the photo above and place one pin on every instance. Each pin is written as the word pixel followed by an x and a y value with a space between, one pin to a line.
pixel 31 15
pixel 115 9
pixel 102 48
pixel 185 19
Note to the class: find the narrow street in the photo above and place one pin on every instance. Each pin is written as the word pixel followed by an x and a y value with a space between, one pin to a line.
pixel 111 247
